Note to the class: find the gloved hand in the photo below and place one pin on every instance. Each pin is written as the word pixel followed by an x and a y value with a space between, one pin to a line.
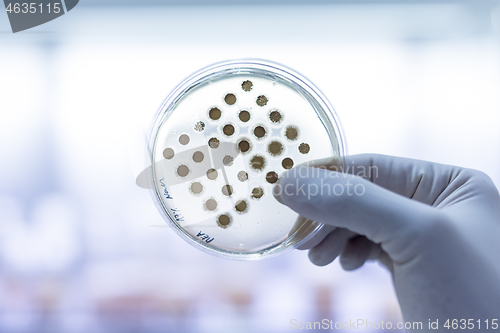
pixel 435 227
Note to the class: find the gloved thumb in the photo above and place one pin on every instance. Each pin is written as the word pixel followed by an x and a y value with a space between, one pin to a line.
pixel 351 202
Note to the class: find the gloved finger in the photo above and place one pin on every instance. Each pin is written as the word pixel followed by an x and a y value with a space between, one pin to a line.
pixel 355 253
pixel 300 229
pixel 326 251
pixel 354 203
pixel 372 252
pixel 422 181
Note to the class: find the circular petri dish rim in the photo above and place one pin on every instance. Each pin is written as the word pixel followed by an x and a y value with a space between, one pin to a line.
pixel 260 67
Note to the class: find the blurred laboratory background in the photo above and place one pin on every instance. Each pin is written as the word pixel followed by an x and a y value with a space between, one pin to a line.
pixel 83 249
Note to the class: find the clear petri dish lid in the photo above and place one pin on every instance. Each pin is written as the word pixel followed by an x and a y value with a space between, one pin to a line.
pixel 219 144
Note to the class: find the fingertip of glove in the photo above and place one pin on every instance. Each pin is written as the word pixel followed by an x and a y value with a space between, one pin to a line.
pixel 317 258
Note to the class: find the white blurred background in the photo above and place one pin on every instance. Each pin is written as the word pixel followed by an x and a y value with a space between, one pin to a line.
pixel 82 249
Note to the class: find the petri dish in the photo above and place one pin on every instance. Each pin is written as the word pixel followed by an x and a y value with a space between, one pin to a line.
pixel 219 144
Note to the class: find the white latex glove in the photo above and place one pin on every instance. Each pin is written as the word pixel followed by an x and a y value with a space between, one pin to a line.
pixel 435 227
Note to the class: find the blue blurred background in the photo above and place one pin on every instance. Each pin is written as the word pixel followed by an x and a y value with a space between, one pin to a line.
pixel 82 249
